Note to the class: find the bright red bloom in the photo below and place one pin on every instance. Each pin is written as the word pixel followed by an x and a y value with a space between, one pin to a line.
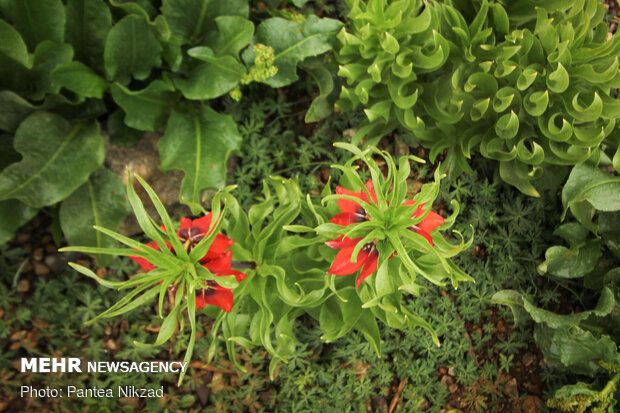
pixel 218 260
pixel 353 212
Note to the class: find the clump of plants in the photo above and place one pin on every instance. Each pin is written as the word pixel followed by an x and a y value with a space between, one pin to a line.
pixel 375 230
pixel 526 87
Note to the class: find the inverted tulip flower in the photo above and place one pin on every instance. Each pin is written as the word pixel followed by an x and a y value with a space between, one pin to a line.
pixel 353 212
pixel 217 259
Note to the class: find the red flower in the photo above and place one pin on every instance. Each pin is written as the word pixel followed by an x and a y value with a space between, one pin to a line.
pixel 353 212
pixel 366 259
pixel 218 260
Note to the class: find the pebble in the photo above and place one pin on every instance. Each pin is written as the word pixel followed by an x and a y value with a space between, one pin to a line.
pixel 531 404
pixel 22 237
pixel 528 359
pixel 40 268
pixel 446 380
pixel 511 387
pixel 23 285
pixel 37 255
pixel 453 388
pixel 56 262
pixel 442 370
pixel 451 371
pixel 50 248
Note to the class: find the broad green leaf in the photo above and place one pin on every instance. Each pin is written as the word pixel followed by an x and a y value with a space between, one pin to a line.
pixel 120 133
pixel 36 20
pixel 588 183
pixel 235 33
pixel 516 174
pixel 513 300
pixel 12 45
pixel 88 24
pixel 217 76
pixel 51 147
pixel 13 214
pixel 146 109
pixel 140 8
pixel 79 78
pixel 322 106
pixel 572 263
pixel 367 324
pixel 575 349
pixel 198 144
pixel 100 201
pixel 609 228
pixel 13 110
pixel 191 20
pixel 47 56
pixel 131 49
pixel 293 42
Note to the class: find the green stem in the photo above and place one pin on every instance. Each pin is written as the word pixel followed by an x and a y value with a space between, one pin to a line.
pixel 610 387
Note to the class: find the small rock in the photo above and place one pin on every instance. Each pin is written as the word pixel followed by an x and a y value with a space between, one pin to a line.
pixel 129 401
pixel 451 371
pixel 101 272
pixel 501 327
pixel 40 268
pixel 531 404
pixel 203 394
pixel 46 239
pixel 22 237
pixel 1 312
pixel 50 248
pixel 511 387
pixel 446 380
pixel 425 405
pixel 18 335
pixel 528 359
pixel 23 285
pixel 56 262
pixel 37 255
pixel 453 388
pixel 110 345
pixel 443 370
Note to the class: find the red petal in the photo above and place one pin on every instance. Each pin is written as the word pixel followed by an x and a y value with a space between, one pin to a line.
pixel 240 276
pixel 369 268
pixel 342 263
pixel 202 223
pixel 220 244
pixel 216 295
pixel 342 242
pixel 371 190
pixel 347 205
pixel 430 222
pixel 142 262
pixel 345 218
pixel 425 234
pixel 221 264
pixel 419 211
pixel 186 223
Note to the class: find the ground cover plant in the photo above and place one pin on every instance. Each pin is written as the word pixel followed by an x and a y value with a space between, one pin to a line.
pixel 420 213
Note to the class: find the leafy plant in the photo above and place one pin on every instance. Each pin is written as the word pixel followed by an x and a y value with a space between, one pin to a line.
pixel 142 67
pixel 585 342
pixel 527 88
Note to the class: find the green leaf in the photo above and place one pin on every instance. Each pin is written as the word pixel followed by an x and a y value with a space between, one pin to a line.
pixel 191 20
pixel 13 110
pixel 100 201
pixel 198 144
pixel 13 214
pixel 588 183
pixel 514 301
pixel 36 20
pixel 322 106
pixel 367 325
pixel 235 33
pixel 88 24
pixel 575 349
pixel 47 56
pixel 50 147
pixel 217 76
pixel 293 42
pixel 80 79
pixel 146 109
pixel 131 49
pixel 516 174
pixel 12 45
pixel 120 133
